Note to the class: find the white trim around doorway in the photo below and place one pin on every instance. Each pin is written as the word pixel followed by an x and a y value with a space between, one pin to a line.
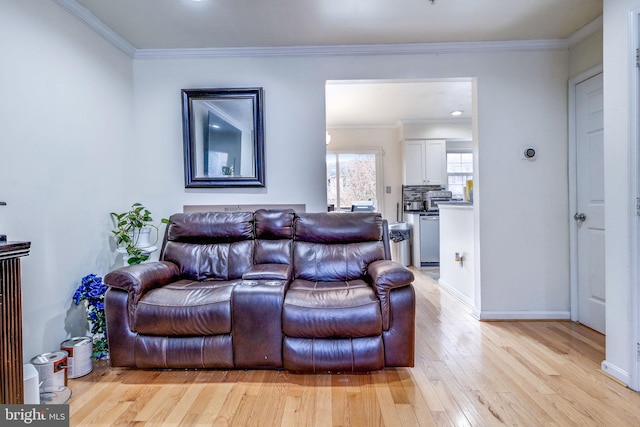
pixel 634 225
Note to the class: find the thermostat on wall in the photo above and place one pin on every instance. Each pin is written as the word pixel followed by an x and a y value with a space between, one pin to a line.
pixel 528 153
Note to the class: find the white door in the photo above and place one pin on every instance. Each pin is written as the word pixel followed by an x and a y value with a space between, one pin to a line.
pixel 590 203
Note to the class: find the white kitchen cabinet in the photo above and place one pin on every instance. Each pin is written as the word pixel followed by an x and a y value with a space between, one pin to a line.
pixel 414 162
pixel 425 162
pixel 436 162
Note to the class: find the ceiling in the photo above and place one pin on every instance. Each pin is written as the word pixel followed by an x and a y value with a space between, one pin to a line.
pixel 366 103
pixel 172 24
pixel 229 24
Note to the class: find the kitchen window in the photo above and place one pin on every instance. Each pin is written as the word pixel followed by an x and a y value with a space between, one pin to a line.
pixel 352 179
pixel 459 171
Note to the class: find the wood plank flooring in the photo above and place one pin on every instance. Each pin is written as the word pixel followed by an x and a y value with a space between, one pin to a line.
pixel 467 373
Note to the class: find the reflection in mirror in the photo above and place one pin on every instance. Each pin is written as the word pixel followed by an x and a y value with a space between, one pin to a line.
pixel 223 137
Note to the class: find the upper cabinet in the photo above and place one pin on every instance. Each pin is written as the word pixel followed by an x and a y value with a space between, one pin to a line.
pixel 425 162
pixel 436 162
pixel 414 163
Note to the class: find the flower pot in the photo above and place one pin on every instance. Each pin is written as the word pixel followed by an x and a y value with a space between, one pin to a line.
pixel 142 238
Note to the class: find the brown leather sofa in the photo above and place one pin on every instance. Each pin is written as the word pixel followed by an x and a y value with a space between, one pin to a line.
pixel 308 292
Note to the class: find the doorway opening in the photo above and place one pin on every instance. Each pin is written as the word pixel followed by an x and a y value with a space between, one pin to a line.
pixel 381 117
pixel 364 117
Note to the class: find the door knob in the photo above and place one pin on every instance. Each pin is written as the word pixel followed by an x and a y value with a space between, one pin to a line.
pixel 580 217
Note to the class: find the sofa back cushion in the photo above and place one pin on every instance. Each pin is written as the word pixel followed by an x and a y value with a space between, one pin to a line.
pixel 336 246
pixel 210 245
pixel 274 224
pixel 274 232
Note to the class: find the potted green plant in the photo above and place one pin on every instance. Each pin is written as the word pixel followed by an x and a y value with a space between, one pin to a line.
pixel 132 232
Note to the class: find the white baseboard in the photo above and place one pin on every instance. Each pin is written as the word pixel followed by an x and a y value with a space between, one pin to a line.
pixel 525 315
pixel 617 373
pixel 457 294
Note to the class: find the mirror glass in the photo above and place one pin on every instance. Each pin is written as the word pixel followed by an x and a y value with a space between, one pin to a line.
pixel 223 137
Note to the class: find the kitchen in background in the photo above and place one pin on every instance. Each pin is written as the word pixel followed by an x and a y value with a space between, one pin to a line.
pixel 421 213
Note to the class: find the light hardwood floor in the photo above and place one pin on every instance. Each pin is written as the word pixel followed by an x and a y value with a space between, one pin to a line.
pixel 467 373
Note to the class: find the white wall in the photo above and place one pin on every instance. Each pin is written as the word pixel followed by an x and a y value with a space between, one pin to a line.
pixel 456 236
pixel 452 129
pixel 521 100
pixel 586 54
pixel 294 131
pixel 619 204
pixel 522 222
pixel 65 127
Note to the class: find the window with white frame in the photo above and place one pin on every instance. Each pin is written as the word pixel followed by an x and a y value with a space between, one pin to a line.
pixel 353 179
pixel 459 171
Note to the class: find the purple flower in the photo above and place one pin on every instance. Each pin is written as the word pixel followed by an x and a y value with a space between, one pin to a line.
pixel 93 290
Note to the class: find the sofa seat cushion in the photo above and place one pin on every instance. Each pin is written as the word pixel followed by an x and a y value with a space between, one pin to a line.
pixel 346 309
pixel 185 308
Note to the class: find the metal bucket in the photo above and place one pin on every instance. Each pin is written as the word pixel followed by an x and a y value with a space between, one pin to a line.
pixel 52 368
pixel 79 359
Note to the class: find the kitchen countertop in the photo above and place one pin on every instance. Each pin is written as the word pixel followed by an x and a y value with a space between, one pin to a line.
pixel 455 204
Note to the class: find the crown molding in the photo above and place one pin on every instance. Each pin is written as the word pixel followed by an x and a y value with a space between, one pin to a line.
pixel 111 36
pixel 400 123
pixel 351 50
pixel 364 126
pixel 97 25
pixel 437 121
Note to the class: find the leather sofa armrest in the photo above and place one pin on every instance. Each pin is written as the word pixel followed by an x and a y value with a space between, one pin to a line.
pixel 385 276
pixel 138 279
pixel 268 271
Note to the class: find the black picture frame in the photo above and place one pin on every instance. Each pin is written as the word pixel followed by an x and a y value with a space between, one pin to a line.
pixel 223 132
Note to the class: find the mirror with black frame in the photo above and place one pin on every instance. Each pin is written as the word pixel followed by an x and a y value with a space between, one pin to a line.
pixel 223 137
